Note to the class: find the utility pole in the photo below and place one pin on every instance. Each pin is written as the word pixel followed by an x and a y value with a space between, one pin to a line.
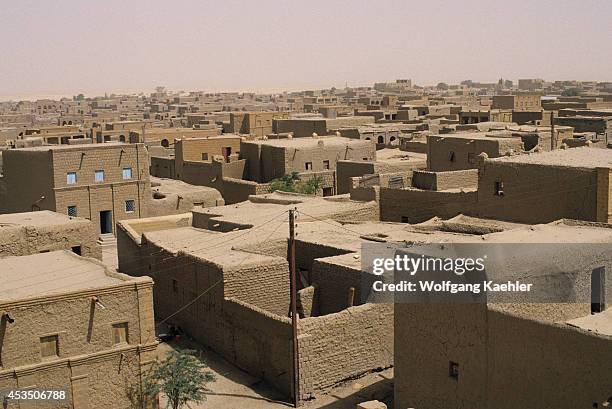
pixel 294 316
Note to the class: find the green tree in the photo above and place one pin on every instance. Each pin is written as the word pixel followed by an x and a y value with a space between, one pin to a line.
pixel 570 92
pixel 181 377
pixel 286 183
pixel 311 186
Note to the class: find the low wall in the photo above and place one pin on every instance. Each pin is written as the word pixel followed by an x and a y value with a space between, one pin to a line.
pixel 416 206
pixel 341 346
pixel 445 180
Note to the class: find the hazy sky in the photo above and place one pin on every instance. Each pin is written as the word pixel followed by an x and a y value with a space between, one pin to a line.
pixel 71 46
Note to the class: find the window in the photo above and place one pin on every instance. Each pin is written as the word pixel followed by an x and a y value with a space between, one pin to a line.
pixel 325 164
pixel 71 178
pixel 174 286
pixel 130 205
pixel 205 156
pixel 120 333
pixel 453 370
pixel 99 176
pixel 48 346
pixel 308 165
pixel 76 250
pixel 72 211
pixel 499 188
pixel 127 173
pixel 451 156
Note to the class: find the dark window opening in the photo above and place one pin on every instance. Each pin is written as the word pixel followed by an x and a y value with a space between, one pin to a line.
pixel 451 156
pixel 453 370
pixel 76 250
pixel 325 164
pixel 404 219
pixel 328 191
pixel 598 290
pixel 308 165
pixel 499 188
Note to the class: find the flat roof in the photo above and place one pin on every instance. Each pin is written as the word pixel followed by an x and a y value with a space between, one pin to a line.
pixel 51 273
pixel 45 148
pixel 307 141
pixel 582 157
pixel 490 135
pixel 40 218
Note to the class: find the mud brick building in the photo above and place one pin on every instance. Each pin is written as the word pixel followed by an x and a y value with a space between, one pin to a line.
pixel 28 233
pixel 100 182
pixel 68 323
pixel 242 261
pixel 254 123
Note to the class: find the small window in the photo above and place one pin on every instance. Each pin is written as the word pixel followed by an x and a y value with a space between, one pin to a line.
pixel 174 286
pixel 308 165
pixel 404 219
pixel 130 205
pixel 71 178
pixel 205 156
pixel 499 188
pixel 120 333
pixel 48 346
pixel 72 211
pixel 127 173
pixel 325 164
pixel 453 370
pixel 76 250
pixel 451 156
pixel 99 176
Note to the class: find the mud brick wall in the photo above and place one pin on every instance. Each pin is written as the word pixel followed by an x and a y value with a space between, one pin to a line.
pixel 338 347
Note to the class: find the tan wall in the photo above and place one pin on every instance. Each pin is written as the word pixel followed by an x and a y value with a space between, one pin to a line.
pixel 465 151
pixel 28 176
pixel 416 206
pixel 192 149
pixel 445 180
pixel 341 346
pixel 537 193
pixel 504 361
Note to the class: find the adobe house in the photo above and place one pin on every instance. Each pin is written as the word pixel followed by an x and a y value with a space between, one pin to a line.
pixel 318 156
pixel 530 188
pixel 71 324
pixel 101 182
pixel 28 233
pixel 458 151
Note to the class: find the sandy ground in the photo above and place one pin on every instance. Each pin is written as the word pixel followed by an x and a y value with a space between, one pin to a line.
pixel 235 389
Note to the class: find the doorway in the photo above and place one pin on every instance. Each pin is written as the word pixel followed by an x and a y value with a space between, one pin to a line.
pixel 227 151
pixel 598 290
pixel 106 222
